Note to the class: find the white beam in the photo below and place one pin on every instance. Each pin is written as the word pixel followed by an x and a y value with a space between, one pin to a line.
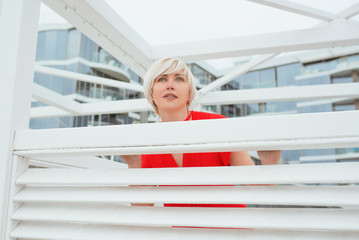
pixel 350 11
pixel 88 78
pixel 50 97
pixel 48 112
pixel 332 35
pixel 121 106
pixel 18 30
pixel 98 21
pixel 300 131
pixel 298 9
pixel 235 73
pixel 110 107
pixel 293 93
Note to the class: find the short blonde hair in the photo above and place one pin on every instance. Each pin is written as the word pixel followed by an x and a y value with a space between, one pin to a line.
pixel 167 66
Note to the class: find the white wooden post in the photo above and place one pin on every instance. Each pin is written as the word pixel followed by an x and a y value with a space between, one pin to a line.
pixel 19 21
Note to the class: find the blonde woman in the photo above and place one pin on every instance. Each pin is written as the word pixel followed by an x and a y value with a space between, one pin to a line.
pixel 169 86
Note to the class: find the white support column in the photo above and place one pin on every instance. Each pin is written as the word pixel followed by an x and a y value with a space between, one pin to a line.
pixel 18 30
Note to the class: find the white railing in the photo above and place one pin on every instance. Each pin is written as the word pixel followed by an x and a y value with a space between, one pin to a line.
pixel 306 201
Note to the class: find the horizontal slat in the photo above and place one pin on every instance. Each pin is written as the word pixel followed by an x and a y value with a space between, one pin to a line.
pixel 291 144
pixel 53 231
pixel 271 195
pixel 269 174
pixel 88 78
pixel 80 162
pixel 258 218
pixel 314 130
pixel 293 93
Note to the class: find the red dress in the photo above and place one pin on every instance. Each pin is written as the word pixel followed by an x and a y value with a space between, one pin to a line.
pixel 213 159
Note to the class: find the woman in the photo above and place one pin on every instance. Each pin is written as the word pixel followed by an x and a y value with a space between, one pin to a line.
pixel 169 86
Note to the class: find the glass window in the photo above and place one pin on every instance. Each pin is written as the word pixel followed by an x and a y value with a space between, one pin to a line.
pixel 347 79
pixel 267 78
pixel 73 49
pixel 286 74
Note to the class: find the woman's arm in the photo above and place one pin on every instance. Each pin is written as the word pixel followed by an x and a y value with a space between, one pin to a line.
pixel 242 158
pixel 269 157
pixel 134 161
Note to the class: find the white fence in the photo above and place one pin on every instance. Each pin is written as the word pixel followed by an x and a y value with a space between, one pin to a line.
pixel 303 201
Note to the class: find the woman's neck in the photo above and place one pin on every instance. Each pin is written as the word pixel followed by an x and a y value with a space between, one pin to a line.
pixel 173 115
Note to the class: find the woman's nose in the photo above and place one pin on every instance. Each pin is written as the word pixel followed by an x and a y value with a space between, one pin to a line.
pixel 170 84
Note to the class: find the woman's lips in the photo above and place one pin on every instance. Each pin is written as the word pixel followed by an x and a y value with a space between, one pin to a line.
pixel 170 96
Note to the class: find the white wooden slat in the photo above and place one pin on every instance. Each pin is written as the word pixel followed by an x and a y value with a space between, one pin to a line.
pixel 311 126
pixel 120 106
pixel 271 195
pixel 80 162
pixel 293 93
pixel 88 78
pixel 350 11
pixel 238 71
pixel 257 218
pixel 55 99
pixel 328 36
pixel 301 9
pixel 268 174
pixel 291 144
pixel 96 22
pixel 53 231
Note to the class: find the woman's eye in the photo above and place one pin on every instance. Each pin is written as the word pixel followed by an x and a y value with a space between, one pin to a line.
pixel 179 79
pixel 161 80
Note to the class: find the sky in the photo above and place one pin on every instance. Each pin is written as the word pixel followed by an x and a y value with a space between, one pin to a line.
pixel 167 21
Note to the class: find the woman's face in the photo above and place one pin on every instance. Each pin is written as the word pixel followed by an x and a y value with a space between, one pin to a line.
pixel 171 92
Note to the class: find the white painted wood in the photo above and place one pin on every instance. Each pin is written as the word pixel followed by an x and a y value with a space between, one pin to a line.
pixel 293 93
pixel 349 12
pixel 258 218
pixel 100 23
pixel 349 90
pixel 314 143
pixel 264 195
pixel 79 162
pixel 19 166
pixel 120 106
pixel 332 35
pixel 108 107
pixel 47 112
pixel 69 231
pixel 50 97
pixel 268 174
pixel 235 73
pixel 340 69
pixel 298 9
pixel 247 133
pixel 350 156
pixel 88 78
pixel 18 30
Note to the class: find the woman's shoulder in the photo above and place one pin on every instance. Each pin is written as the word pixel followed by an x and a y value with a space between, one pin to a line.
pixel 205 115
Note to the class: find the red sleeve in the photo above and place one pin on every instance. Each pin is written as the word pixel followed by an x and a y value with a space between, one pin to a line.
pixel 146 161
pixel 225 156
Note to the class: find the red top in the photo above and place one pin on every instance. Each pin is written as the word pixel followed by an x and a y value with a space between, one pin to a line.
pixel 213 159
